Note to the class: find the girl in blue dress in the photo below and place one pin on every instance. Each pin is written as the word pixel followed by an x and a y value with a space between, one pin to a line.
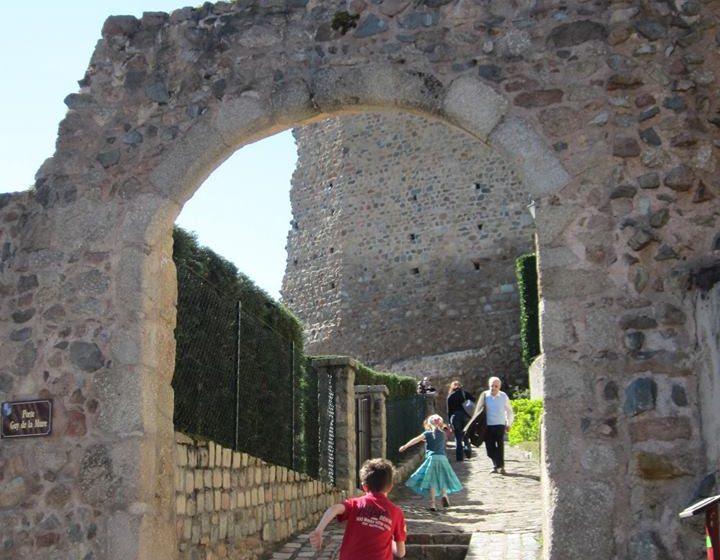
pixel 435 475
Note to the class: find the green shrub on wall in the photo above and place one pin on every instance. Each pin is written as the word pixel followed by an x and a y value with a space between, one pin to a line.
pixel 399 386
pixel 526 274
pixel 526 426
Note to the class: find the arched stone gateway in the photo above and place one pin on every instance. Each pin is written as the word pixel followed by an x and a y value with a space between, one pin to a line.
pixel 607 114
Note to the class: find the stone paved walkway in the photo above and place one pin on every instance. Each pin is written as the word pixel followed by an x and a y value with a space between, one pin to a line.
pixel 503 513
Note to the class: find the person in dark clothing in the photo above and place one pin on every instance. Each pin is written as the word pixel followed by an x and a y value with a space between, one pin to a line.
pixel 425 387
pixel 458 417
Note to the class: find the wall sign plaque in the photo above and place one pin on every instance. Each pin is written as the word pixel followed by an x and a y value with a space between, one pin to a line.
pixel 26 418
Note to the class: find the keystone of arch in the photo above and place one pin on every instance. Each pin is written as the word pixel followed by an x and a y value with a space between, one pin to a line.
pixel 375 86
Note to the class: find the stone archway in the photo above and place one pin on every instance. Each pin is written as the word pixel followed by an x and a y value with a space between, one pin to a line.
pixel 88 280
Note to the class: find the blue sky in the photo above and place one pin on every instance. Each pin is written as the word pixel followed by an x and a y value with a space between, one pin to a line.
pixel 242 211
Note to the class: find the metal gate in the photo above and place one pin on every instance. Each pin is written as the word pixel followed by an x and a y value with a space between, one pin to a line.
pixel 362 434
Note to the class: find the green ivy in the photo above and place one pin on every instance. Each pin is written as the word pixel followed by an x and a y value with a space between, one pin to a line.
pixel 526 426
pixel 526 274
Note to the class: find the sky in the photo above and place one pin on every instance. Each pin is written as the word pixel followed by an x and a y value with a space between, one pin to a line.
pixel 242 211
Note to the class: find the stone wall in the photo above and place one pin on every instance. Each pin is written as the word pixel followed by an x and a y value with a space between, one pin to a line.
pixel 607 112
pixel 708 378
pixel 232 505
pixel 403 246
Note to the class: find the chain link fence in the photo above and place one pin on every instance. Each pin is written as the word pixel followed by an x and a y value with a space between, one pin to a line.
pixel 404 421
pixel 242 384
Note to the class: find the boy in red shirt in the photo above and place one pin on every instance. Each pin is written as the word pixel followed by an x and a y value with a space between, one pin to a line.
pixel 376 527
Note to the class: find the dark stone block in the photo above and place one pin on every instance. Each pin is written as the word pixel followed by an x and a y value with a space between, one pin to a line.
pixel 23 315
pixel 417 20
pixel 120 25
pixel 538 98
pixel 611 391
pixel 108 159
pixel 641 239
pixel 649 181
pixel 640 396
pixel 86 355
pixel 670 314
pixel 660 218
pixel 158 92
pixel 623 191
pixel 26 283
pixel 21 335
pixel 679 178
pixel 683 140
pixel 652 30
pixel 490 72
pixel 6 383
pixel 623 80
pixel 676 103
pixel 678 395
pixel 665 253
pixel 569 34
pixel 637 322
pixel 649 136
pixel 634 340
pixel 644 100
pixel 371 25
pixel 625 147
pixel 648 113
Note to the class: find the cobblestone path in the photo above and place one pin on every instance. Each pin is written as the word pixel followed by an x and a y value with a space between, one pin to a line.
pixel 504 513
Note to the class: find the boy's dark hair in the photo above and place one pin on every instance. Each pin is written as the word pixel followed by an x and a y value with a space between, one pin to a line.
pixel 377 474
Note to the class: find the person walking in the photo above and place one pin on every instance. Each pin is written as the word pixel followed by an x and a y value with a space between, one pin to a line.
pixel 499 415
pixel 375 526
pixel 435 475
pixel 458 417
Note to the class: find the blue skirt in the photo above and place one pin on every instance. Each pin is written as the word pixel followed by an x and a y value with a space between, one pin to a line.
pixel 435 472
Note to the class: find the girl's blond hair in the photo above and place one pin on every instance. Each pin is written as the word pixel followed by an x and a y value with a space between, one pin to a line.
pixel 434 422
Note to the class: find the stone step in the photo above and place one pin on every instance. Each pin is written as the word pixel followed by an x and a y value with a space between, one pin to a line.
pixel 436 551
pixel 439 538
pixel 437 546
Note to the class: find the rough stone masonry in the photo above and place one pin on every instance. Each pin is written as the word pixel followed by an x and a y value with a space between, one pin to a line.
pixel 605 111
pixel 403 245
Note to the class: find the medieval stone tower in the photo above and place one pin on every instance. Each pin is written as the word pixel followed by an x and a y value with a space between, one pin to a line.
pixel 402 247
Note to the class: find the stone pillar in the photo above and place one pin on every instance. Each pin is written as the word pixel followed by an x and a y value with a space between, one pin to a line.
pixel 431 404
pixel 342 372
pixel 378 417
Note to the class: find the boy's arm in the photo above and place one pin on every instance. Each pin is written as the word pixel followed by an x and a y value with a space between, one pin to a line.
pixel 398 549
pixel 331 513
pixel 413 441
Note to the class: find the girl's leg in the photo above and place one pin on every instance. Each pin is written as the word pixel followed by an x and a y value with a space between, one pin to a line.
pixel 445 500
pixel 432 499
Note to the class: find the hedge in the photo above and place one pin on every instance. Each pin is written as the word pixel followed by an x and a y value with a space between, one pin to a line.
pixel 399 386
pixel 526 274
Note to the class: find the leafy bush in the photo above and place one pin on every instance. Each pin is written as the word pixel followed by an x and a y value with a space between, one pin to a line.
pixel 526 426
pixel 399 386
pixel 526 274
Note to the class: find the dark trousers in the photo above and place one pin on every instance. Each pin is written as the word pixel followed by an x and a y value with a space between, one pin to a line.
pixel 494 445
pixel 457 421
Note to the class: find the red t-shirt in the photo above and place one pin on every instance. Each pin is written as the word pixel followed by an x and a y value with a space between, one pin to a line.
pixel 373 523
